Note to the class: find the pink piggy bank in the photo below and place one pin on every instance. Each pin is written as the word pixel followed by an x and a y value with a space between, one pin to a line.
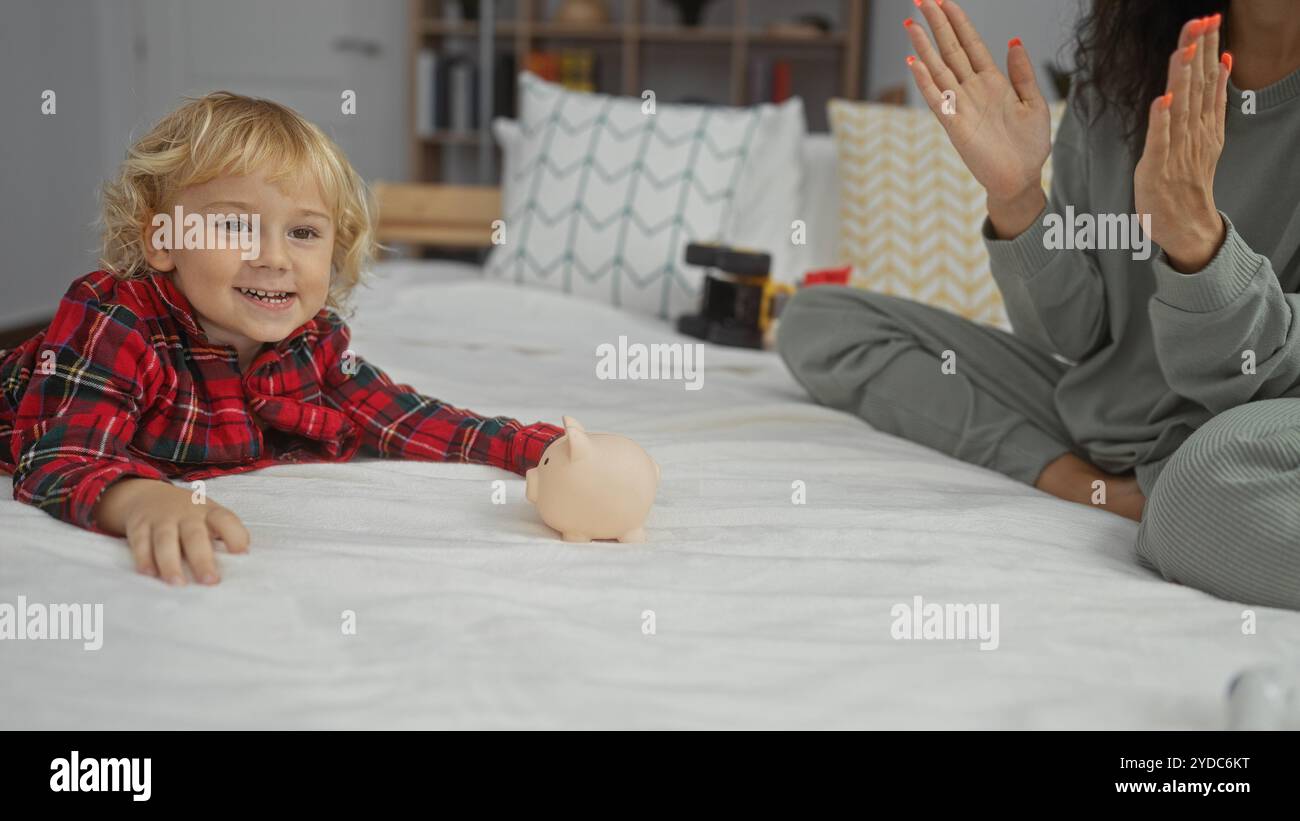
pixel 594 486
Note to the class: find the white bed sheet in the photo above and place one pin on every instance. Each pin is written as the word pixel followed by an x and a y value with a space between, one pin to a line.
pixel 767 614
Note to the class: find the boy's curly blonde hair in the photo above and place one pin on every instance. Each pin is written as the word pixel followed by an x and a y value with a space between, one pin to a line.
pixel 225 133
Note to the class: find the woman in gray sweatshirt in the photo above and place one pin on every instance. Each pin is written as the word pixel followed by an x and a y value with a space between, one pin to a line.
pixel 1165 386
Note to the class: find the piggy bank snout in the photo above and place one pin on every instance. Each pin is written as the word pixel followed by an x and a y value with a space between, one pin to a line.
pixel 530 484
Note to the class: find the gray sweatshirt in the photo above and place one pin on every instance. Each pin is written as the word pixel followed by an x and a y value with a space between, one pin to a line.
pixel 1155 352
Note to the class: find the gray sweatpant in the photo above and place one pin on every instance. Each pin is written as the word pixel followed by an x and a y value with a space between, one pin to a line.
pixel 1222 513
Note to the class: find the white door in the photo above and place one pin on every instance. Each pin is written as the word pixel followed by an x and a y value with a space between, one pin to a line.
pixel 303 53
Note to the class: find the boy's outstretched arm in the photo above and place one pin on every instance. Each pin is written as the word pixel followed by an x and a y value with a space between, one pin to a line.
pixel 88 379
pixel 398 422
pixel 80 409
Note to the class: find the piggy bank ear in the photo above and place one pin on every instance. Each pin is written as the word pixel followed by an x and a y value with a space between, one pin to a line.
pixel 570 423
pixel 576 436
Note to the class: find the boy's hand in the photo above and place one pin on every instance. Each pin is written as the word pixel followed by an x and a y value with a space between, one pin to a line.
pixel 163 523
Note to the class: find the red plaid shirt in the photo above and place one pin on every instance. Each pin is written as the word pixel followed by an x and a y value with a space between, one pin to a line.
pixel 124 382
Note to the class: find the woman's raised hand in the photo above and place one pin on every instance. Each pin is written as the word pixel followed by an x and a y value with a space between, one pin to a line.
pixel 999 126
pixel 1174 180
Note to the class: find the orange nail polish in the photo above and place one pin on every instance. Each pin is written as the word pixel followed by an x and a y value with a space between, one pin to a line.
pixel 907 23
pixel 1013 42
pixel 918 3
pixel 1167 100
pixel 938 2
pixel 1189 53
pixel 1226 59
pixel 1197 26
pixel 911 59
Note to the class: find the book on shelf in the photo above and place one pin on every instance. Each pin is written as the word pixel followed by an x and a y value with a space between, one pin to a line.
pixel 426 74
pixel 506 86
pixel 770 80
pixel 544 64
pixel 760 80
pixel 782 83
pixel 573 68
pixel 457 95
pixel 445 93
pixel 577 69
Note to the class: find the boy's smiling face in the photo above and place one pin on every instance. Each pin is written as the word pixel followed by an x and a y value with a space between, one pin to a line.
pixel 296 245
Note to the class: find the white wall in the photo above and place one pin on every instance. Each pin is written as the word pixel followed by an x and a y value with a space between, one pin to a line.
pixel 1045 26
pixel 95 55
pixel 106 61
pixel 50 165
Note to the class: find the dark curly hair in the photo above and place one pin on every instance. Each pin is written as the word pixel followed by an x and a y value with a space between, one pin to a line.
pixel 1121 55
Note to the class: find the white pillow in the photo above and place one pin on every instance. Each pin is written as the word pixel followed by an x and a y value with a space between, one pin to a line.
pixel 820 211
pixel 511 139
pixel 600 199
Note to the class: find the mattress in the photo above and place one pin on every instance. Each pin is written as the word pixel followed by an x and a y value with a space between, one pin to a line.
pixel 786 547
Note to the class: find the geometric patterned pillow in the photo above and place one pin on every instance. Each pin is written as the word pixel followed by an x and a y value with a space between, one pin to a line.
pixel 602 195
pixel 911 212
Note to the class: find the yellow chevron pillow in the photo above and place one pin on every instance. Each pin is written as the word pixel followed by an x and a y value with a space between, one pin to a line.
pixel 910 212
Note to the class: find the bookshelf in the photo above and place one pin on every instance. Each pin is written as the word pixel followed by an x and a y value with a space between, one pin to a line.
pixel 524 27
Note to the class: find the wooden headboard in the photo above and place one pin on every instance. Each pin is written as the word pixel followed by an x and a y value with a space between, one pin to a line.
pixel 442 216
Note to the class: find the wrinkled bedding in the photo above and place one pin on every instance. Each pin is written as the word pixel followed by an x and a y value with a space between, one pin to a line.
pixel 765 612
